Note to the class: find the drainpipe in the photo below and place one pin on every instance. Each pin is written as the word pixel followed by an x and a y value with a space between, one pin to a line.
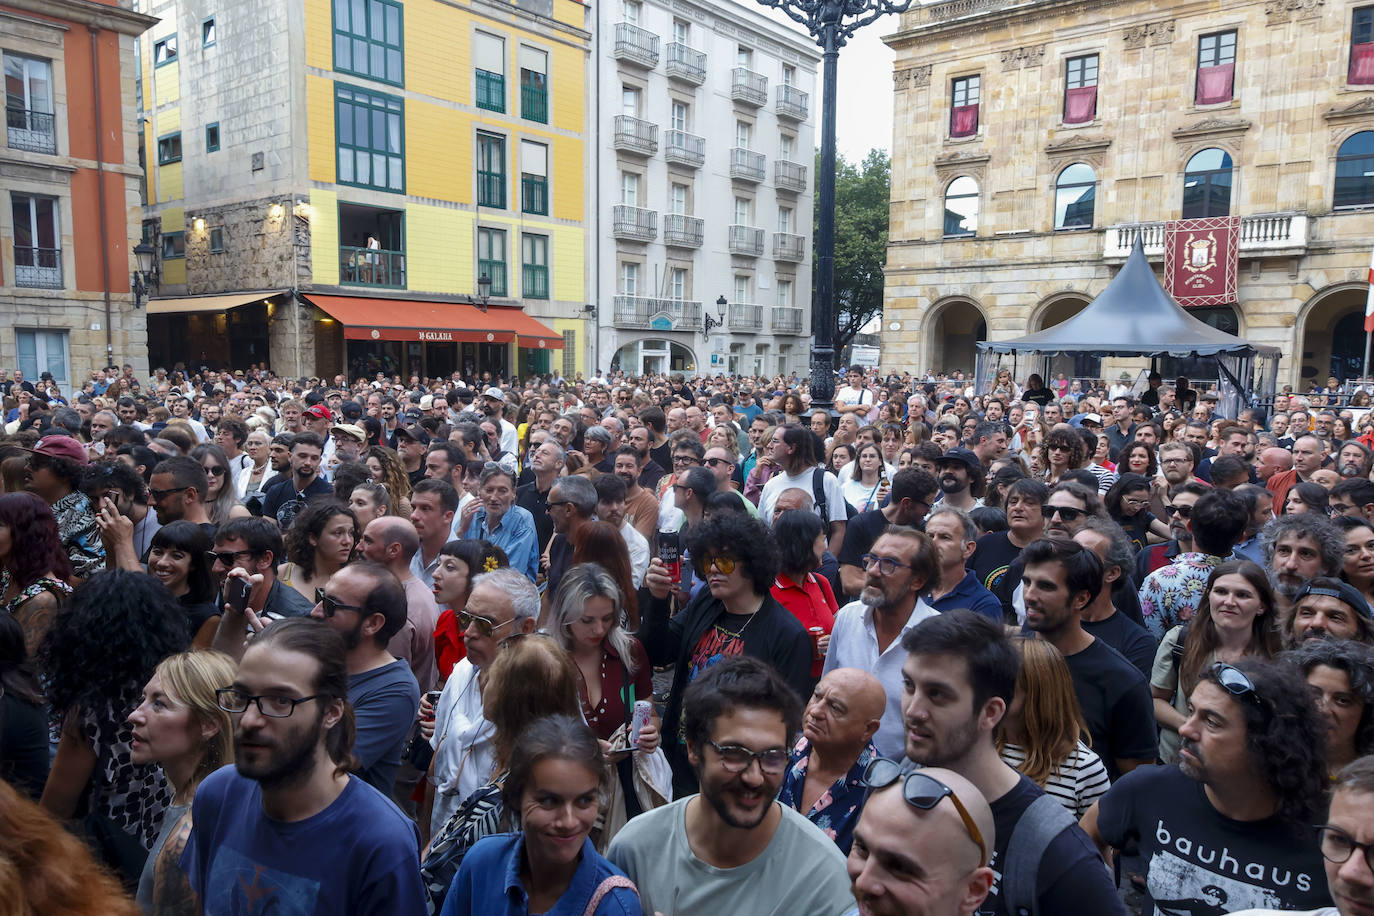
pixel 596 194
pixel 100 192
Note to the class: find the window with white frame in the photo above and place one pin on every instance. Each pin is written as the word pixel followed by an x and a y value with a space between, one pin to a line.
pixel 744 132
pixel 678 116
pixel 29 115
pixel 789 74
pixel 677 199
pixel 785 293
pixel 677 283
pixel 630 11
pixel 629 189
pixel 629 101
pixel 786 143
pixel 743 209
pixel 744 57
pixel 629 278
pixel 43 351
pixel 37 242
pixel 742 289
pixel 682 31
pixel 785 219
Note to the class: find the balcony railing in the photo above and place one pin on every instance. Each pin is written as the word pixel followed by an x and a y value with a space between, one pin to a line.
pixel 745 317
pixel 749 87
pixel 683 231
pixel 633 135
pixel 746 240
pixel 684 148
pixel 534 194
pixel 787 320
pixel 789 176
pixel 635 45
pixel 31 131
pixel 788 247
pixel 534 281
pixel 1261 235
pixel 747 165
pixel 658 314
pixel 38 268
pixel 634 223
pixel 793 103
pixel 684 63
pixel 372 267
pixel 534 103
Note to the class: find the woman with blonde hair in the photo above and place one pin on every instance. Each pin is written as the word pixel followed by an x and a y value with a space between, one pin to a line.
pixel 1043 734
pixel 388 471
pixel 179 725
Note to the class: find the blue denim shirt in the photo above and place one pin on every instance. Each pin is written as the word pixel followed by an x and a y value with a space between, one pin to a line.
pixel 488 883
pixel 515 534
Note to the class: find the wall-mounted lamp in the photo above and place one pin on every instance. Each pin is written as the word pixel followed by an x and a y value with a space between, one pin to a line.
pixel 715 322
pixel 483 293
pixel 199 224
pixel 275 211
pixel 145 278
pixel 590 310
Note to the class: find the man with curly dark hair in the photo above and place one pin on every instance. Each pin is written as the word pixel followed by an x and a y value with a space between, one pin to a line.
pixel 733 614
pixel 1235 815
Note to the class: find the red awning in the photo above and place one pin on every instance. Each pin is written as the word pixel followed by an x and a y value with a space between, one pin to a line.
pixel 435 322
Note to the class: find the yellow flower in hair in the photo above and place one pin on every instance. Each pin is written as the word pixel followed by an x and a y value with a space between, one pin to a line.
pixel 489 564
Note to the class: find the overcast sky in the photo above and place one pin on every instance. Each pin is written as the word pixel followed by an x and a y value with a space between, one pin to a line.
pixel 863 118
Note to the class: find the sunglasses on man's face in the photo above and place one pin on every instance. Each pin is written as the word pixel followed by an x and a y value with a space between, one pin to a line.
pixel 724 564
pixel 1067 513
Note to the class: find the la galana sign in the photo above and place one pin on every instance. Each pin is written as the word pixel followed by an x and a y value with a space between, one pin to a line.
pixel 436 335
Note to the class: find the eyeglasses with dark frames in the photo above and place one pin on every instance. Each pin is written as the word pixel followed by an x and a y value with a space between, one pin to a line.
pixel 924 792
pixel 160 495
pixel 737 759
pixel 227 558
pixel 1067 513
pixel 331 605
pixel 886 565
pixel 231 699
pixel 1337 846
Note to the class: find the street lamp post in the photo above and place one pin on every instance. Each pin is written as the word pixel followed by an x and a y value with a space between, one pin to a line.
pixel 831 23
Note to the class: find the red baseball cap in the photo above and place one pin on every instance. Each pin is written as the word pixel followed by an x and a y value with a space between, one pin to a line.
pixel 61 447
pixel 320 412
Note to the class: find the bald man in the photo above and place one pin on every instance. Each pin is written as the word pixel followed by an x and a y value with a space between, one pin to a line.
pixel 823 775
pixel 1273 461
pixel 909 860
pixel 393 542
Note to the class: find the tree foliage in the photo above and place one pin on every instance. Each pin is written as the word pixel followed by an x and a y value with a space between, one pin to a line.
pixel 861 205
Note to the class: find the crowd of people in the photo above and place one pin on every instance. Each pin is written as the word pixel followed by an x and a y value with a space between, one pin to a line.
pixel 469 645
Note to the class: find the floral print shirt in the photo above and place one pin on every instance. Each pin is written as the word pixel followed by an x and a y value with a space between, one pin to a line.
pixel 838 809
pixel 1172 593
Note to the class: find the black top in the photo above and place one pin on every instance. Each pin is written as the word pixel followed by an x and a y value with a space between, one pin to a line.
pixel 284 502
pixel 23 744
pixel 529 497
pixel 1041 396
pixel 1129 638
pixel 1116 703
pixel 991 559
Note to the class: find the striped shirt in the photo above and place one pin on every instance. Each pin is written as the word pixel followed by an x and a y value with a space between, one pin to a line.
pixel 1076 783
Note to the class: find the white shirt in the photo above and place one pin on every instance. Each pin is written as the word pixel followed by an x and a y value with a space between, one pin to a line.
pixel 855 396
pixel 639 553
pixel 463 754
pixel 854 644
pixel 510 441
pixel 834 494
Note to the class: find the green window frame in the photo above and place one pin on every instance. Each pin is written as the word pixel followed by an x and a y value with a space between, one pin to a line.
pixel 212 137
pixel 491 171
pixel 491 258
pixel 169 148
pixel 369 136
pixel 369 40
pixel 165 50
pixel 217 240
pixel 534 95
pixel 173 245
pixel 534 194
pixel 491 91
pixel 534 266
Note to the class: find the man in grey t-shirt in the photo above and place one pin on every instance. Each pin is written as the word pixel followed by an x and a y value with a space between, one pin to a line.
pixel 733 848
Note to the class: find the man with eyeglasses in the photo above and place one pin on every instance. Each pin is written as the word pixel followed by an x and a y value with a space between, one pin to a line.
pixel 175 492
pixel 903 860
pixel 1066 510
pixel 572 504
pixel 957 679
pixel 1170 595
pixel 1230 826
pixel 503 603
pixel 733 848
pixel 913 493
pixel 288 822
pixel 722 466
pixel 252 545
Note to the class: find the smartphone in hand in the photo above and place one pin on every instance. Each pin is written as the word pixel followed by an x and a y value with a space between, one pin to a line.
pixel 236 592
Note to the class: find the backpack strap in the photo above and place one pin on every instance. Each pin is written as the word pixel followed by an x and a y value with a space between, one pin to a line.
pixel 1177 650
pixel 604 888
pixel 1042 821
pixel 818 494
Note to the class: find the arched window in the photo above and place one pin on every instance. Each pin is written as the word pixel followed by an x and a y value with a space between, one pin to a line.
pixel 1355 171
pixel 1207 185
pixel 1074 195
pixel 961 207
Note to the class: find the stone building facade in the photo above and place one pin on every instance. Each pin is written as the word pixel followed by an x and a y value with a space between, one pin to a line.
pixel 1034 140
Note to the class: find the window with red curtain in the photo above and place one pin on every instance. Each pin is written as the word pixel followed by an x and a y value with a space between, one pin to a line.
pixel 1362 46
pixel 1216 68
pixel 1080 89
pixel 964 99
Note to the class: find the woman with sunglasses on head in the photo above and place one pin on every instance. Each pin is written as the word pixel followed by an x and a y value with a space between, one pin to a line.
pixel 319 543
pixel 1234 620
pixel 180 726
pixel 221 499
pixel 179 558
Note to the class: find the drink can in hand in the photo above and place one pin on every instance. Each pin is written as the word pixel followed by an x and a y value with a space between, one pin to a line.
pixel 640 718
pixel 670 554
pixel 433 697
pixel 816 634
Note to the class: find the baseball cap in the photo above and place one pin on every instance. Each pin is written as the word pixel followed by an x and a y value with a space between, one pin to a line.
pixel 963 455
pixel 61 447
pixel 354 432
pixel 414 431
pixel 319 412
pixel 426 401
pixel 1335 588
pixel 494 392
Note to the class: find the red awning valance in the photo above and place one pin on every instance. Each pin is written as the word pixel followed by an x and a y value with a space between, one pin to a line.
pixel 366 318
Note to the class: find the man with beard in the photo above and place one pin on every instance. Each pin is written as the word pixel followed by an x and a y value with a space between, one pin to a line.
pixel 641 509
pixel 1235 442
pixel 287 496
pixel 1353 460
pixel 733 848
pixel 1060 580
pixel 494 405
pixel 1176 461
pixel 1067 509
pixel 913 493
pixel 1179 509
pixel 899 568
pixel 958 678
pixel 650 471
pixel 1329 608
pixel 1229 827
pixel 55 466
pixel 1170 595
pixel 1298 548
pixel 287 827
pixel 127 523
pixel 1102 617
pixel 962 480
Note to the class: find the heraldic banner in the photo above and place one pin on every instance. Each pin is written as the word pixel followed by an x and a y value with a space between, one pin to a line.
pixel 1201 257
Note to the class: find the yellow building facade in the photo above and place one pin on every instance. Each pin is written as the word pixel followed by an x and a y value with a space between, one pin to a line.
pixel 1035 140
pixel 345 158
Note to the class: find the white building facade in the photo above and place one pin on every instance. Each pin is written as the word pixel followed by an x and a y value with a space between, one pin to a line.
pixel 704 123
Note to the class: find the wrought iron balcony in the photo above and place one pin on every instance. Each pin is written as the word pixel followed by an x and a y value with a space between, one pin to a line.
pixel 686 64
pixel 788 247
pixel 745 317
pixel 789 176
pixel 747 165
pixel 372 267
pixel 30 131
pixel 787 320
pixel 683 231
pixel 633 135
pixel 634 224
pixel 683 148
pixel 793 103
pixel 38 268
pixel 657 314
pixel 749 87
pixel 1262 235
pixel 746 240
pixel 635 45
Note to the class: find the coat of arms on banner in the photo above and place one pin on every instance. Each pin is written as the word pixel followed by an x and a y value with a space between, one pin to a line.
pixel 1200 260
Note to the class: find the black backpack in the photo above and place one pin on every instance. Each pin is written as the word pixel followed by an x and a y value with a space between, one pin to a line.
pixel 818 493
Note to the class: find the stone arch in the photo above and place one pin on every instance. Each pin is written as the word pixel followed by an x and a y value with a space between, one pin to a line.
pixel 950 331
pixel 1057 308
pixel 1321 350
pixel 650 354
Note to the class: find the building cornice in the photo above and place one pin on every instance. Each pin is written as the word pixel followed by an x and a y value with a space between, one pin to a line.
pixel 960 16
pixel 1359 109
pixel 90 13
pixel 1213 127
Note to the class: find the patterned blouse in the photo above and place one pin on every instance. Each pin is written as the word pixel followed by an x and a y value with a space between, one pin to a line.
pixel 838 809
pixel 133 796
pixel 79 534
pixel 1172 593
